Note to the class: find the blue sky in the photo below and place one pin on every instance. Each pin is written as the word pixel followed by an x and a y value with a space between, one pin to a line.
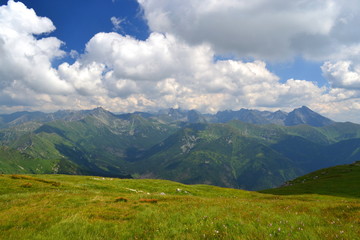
pixel 143 55
pixel 77 21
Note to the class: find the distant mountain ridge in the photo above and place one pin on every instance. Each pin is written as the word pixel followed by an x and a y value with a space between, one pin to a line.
pixel 298 116
pixel 13 119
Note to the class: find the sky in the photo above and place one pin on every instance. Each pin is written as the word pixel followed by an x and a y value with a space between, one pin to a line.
pixel 208 55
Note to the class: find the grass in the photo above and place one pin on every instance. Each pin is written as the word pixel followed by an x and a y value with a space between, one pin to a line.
pixel 86 207
pixel 341 181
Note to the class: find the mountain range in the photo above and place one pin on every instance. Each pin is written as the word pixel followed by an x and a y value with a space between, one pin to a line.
pixel 298 116
pixel 246 149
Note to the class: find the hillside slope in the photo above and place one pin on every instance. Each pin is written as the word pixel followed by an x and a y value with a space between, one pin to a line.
pixel 340 180
pixel 95 143
pixel 13 161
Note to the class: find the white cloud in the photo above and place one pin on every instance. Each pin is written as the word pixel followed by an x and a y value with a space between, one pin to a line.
pixel 168 72
pixel 157 58
pixel 342 74
pixel 176 69
pixel 265 29
pixel 87 80
pixel 17 19
pixel 26 60
pixel 259 28
pixel 74 54
pixel 117 23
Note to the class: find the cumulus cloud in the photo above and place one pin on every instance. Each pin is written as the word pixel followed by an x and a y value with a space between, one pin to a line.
pixel 174 68
pixel 86 79
pixel 275 29
pixel 168 72
pixel 26 60
pixel 342 74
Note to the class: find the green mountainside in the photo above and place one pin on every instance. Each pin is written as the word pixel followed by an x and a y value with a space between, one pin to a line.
pixel 342 180
pixel 175 145
pixel 87 207
pixel 13 161
pixel 99 143
pixel 246 156
pixel 218 155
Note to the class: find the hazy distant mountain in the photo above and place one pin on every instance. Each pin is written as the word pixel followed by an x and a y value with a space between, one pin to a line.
pixel 304 115
pixel 245 115
pixel 277 117
pixel 7 120
pixel 179 116
pixel 298 116
pixel 14 119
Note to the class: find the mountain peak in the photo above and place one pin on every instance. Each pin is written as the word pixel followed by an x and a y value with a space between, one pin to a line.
pixel 305 115
pixel 305 108
pixel 99 109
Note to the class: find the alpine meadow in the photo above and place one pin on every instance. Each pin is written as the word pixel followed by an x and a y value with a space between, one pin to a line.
pixel 182 119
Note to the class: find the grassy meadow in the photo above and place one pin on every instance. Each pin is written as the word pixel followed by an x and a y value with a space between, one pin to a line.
pixel 87 207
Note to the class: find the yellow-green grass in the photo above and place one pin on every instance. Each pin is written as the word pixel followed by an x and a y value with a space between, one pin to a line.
pixel 342 181
pixel 86 207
